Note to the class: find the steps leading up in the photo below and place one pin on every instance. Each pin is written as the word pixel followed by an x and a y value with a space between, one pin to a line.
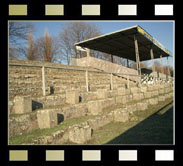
pixel 90 104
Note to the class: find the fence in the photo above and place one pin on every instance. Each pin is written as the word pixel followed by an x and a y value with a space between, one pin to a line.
pixel 42 67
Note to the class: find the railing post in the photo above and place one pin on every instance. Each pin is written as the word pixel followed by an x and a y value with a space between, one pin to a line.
pixel 86 80
pixel 43 81
pixel 128 83
pixel 111 81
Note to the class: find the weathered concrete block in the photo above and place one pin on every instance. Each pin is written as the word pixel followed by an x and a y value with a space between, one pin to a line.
pixel 141 96
pixel 155 87
pixel 47 119
pixel 102 94
pixel 166 96
pixel 162 86
pixel 155 93
pixel 72 97
pixel 113 93
pixel 153 101
pixel 136 96
pixel 166 85
pixel 121 91
pixel 161 98
pixel 94 107
pixel 171 94
pixel 143 89
pixel 161 91
pixel 150 88
pixel 127 91
pixel 148 95
pixel 105 103
pixel 121 115
pixel 120 99
pixel 166 90
pixel 22 124
pixel 134 90
pixel 22 104
pixel 131 107
pixel 76 134
pixel 129 98
pixel 142 106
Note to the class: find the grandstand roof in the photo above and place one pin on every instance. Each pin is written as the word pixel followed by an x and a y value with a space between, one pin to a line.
pixel 121 43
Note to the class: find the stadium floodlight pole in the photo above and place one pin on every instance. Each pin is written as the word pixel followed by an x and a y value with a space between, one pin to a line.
pixel 137 59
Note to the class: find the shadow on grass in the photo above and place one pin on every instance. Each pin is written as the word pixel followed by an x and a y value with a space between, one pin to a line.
pixel 156 129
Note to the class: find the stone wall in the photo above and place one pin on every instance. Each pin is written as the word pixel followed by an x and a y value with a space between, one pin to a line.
pixel 21 124
pixel 24 80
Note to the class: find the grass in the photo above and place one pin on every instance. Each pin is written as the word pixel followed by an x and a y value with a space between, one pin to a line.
pixel 28 137
pixel 152 127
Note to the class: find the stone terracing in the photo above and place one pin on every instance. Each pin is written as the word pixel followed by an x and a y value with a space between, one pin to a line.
pixel 25 80
pixel 94 104
pixel 81 133
pixel 40 112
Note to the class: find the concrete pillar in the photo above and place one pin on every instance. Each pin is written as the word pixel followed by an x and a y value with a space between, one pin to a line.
pixel 22 104
pixel 47 119
pixel 72 97
pixel 137 59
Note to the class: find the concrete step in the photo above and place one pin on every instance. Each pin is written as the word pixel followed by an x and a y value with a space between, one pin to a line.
pixel 91 104
pixel 80 133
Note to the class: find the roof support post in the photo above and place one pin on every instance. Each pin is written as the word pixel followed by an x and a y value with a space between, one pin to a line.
pixel 161 64
pixel 76 52
pixel 152 59
pixel 88 52
pixel 168 66
pixel 137 58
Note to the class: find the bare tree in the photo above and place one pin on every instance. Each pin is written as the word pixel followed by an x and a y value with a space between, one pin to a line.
pixel 32 48
pixel 142 65
pixel 75 32
pixel 158 67
pixel 18 37
pixel 48 47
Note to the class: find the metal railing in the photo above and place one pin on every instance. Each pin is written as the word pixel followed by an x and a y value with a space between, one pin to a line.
pixel 84 70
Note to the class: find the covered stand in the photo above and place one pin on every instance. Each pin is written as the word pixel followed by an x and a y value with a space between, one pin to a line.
pixel 132 43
